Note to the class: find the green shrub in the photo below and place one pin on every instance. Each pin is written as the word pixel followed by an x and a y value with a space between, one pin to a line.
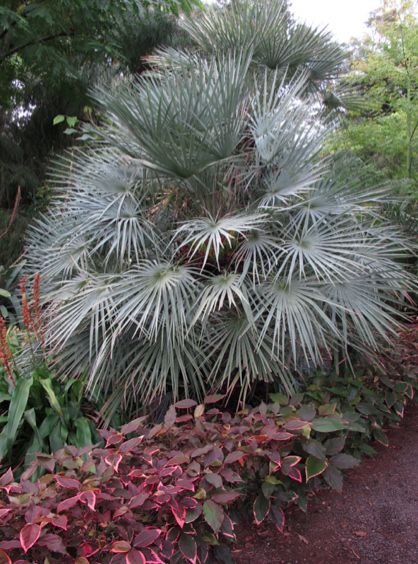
pixel 167 493
pixel 203 244
pixel 37 412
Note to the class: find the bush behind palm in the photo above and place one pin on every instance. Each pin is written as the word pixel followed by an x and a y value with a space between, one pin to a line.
pixel 202 242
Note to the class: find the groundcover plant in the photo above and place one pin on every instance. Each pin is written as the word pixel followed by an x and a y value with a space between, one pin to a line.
pixel 201 242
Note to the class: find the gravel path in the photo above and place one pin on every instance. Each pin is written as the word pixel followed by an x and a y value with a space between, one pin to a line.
pixel 374 520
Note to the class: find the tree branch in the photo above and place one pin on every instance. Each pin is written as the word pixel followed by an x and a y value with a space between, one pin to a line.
pixel 35 42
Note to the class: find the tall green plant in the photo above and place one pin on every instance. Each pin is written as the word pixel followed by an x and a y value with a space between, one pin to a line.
pixel 37 412
pixel 203 243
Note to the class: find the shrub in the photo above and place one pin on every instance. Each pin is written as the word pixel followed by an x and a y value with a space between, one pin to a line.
pixel 167 492
pixel 38 413
pixel 202 244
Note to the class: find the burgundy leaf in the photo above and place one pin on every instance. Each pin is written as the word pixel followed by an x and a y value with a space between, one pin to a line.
pixel 225 497
pixel 278 517
pixel 135 557
pixel 89 498
pixel 133 426
pixel 68 503
pixel 69 483
pixel 215 398
pixel 120 546
pixel 53 542
pixel 6 478
pixel 146 537
pixel 170 417
pixel 29 535
pixel 234 457
pixel 185 404
pixel 4 557
pixel 188 547
pixel 129 445
pixel 138 500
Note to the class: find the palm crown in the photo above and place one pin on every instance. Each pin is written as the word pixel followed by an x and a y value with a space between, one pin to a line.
pixel 202 242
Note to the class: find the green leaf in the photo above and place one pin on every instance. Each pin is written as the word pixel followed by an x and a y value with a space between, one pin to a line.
pixel 72 121
pixel 58 119
pixel 83 433
pixel 307 412
pixel 261 508
pixel 214 515
pixel 314 467
pixel 345 461
pixel 334 478
pixel 315 448
pixel 335 445
pixel 380 437
pixel 188 547
pixel 16 410
pixel 5 293
pixel 281 399
pixel 327 424
pixel 46 383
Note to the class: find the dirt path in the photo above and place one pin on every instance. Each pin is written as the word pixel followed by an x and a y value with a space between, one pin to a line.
pixel 374 520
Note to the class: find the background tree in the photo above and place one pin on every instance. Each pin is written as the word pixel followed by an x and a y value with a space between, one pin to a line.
pixel 51 53
pixel 384 68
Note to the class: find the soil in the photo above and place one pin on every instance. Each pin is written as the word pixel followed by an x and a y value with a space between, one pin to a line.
pixel 374 520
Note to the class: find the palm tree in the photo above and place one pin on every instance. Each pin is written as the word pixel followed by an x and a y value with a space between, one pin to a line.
pixel 203 242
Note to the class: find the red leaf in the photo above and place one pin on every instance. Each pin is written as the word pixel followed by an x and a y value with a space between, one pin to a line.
pixel 188 548
pixel 146 537
pixel 170 417
pixel 129 445
pixel 295 474
pixel 184 418
pixel 4 512
pixel 231 477
pixel 179 512
pixel 6 478
pixel 275 457
pixel 114 439
pixel 215 398
pixel 10 545
pixel 135 557
pixel 29 535
pixel 179 458
pixel 281 436
pixel 202 450
pixel 225 497
pixel 234 456
pixel 296 424
pixel 4 558
pixel 138 500
pixel 120 547
pixel 69 483
pixel 60 521
pixel 68 503
pixel 89 498
pixel 114 460
pixel 53 542
pixel 152 557
pixel 185 404
pixel 132 426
